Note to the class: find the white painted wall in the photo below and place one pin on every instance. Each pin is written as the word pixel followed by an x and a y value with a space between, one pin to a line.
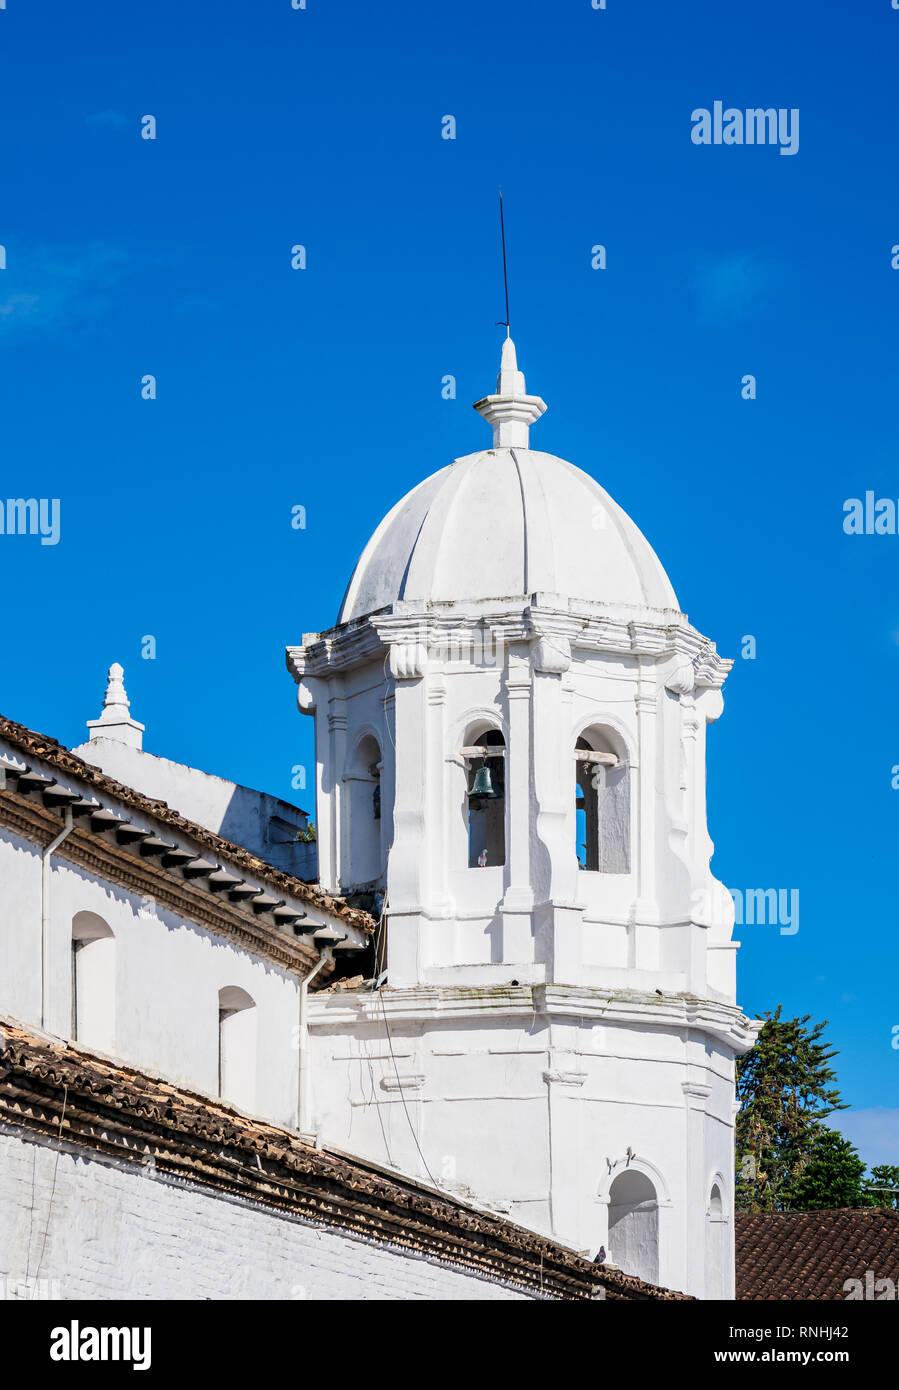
pixel 116 1231
pixel 525 1113
pixel 162 1014
pixel 20 927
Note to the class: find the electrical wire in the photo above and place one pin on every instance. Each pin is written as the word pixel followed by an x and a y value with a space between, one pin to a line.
pixel 52 1187
pixel 402 1095
pixel 393 1059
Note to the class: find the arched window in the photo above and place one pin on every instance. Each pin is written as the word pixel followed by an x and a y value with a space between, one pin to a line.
pixel 93 982
pixel 602 803
pixel 634 1225
pixel 486 799
pixel 363 780
pixel 237 1047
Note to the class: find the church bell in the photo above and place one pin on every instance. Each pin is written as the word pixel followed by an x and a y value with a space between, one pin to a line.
pixel 482 788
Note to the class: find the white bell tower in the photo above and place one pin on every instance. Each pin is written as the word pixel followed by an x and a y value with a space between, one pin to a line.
pixel 510 723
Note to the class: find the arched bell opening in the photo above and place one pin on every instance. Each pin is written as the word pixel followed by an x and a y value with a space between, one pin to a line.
pixel 363 780
pixel 602 802
pixel 485 800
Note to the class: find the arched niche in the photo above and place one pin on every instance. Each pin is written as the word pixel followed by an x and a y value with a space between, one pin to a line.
pixel 602 801
pixel 93 982
pixel 634 1224
pixel 237 1047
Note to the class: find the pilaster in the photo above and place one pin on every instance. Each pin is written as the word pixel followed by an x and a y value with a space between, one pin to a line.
pixel 337 722
pixel 696 1092
pixel 406 955
pixel 643 955
pixel 519 895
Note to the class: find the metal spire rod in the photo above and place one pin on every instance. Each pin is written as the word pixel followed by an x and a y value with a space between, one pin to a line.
pixel 502 232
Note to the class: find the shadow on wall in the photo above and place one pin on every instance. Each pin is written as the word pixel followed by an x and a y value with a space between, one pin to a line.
pixel 269 827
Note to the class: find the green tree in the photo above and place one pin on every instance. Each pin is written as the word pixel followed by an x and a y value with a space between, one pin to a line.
pixel 883 1175
pixel 832 1175
pixel 785 1087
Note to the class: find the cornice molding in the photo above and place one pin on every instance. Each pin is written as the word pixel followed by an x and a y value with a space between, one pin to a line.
pixel 557 626
pixel 709 1017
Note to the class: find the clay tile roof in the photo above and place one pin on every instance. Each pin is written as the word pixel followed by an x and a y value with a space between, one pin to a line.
pixel 811 1254
pixel 56 755
pixel 60 1091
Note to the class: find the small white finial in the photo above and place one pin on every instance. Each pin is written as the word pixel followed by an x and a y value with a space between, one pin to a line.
pixel 115 721
pixel 511 411
pixel 115 687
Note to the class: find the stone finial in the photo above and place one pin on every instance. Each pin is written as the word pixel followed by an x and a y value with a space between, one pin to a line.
pixel 115 720
pixel 511 411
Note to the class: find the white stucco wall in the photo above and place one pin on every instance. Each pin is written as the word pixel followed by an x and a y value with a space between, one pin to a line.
pixel 167 973
pixel 115 1231
pixel 527 1115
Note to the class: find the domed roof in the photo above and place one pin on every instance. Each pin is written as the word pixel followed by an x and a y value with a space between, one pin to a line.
pixel 507 522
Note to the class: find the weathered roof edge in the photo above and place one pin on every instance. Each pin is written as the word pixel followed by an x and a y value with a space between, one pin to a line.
pixel 51 751
pixel 65 1094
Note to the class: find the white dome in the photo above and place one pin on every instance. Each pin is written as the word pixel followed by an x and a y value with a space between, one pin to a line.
pixel 507 522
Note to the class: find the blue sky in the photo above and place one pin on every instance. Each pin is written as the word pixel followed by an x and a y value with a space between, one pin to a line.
pixel 322 387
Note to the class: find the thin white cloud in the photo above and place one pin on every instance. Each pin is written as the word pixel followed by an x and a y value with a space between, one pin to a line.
pixel 53 286
pixel 874 1132
pixel 117 120
pixel 734 287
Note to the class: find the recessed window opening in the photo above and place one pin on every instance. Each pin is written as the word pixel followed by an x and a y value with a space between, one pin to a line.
pixel 486 800
pixel 237 1047
pixel 602 804
pixel 634 1225
pixel 363 783
pixel 93 982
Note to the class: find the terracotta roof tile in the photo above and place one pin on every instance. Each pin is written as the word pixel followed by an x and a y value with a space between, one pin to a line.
pixel 811 1254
